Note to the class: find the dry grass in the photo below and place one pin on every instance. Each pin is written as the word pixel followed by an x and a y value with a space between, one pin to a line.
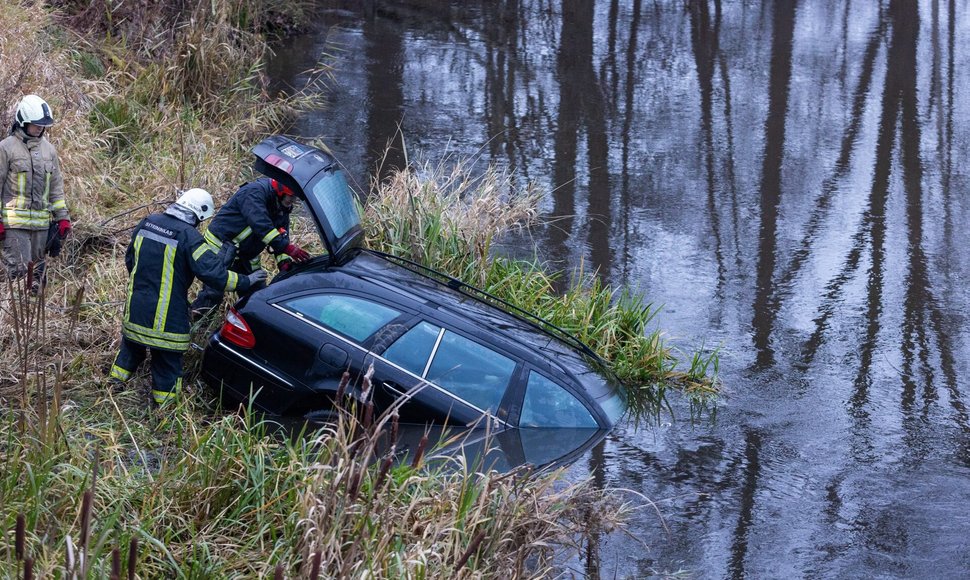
pixel 89 475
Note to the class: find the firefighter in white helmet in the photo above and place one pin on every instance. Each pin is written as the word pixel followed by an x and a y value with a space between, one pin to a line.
pixel 164 257
pixel 32 190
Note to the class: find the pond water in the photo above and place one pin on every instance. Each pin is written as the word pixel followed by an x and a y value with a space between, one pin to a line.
pixel 786 180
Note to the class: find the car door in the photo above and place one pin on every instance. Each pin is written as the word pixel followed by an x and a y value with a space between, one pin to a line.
pixel 341 327
pixel 446 375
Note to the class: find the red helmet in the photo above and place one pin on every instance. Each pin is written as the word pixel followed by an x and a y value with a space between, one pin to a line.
pixel 279 188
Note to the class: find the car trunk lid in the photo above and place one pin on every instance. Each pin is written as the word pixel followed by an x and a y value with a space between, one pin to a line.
pixel 316 177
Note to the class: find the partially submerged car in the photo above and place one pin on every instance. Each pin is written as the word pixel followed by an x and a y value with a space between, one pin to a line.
pixel 441 350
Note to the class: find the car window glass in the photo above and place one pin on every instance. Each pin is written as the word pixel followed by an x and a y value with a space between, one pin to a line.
pixel 471 371
pixel 337 201
pixel 349 315
pixel 413 349
pixel 549 405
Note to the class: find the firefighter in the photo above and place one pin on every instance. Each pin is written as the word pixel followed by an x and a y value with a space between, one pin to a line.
pixel 165 255
pixel 255 218
pixel 32 191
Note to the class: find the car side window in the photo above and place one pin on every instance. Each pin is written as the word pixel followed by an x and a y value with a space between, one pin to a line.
pixel 412 351
pixel 471 371
pixel 349 315
pixel 549 405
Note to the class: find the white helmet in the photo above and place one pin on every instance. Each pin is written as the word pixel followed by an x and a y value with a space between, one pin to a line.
pixel 198 201
pixel 33 109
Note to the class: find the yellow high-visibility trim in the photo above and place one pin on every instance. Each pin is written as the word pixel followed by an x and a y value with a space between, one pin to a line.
pixel 203 248
pixel 26 218
pixel 165 288
pixel 134 271
pixel 272 235
pixel 212 239
pixel 242 235
pixel 232 281
pixel 59 204
pixel 163 397
pixel 120 373
pixel 156 338
pixel 47 188
pixel 22 188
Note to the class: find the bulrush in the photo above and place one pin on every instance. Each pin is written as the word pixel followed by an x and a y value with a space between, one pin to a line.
pixel 132 557
pixel 20 536
pixel 342 388
pixel 419 452
pixel 115 564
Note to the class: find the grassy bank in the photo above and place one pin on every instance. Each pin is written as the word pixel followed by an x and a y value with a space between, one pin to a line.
pixel 150 100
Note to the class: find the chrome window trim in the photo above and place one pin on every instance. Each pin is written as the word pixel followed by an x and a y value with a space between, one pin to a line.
pixel 434 351
pixel 420 380
pixel 255 364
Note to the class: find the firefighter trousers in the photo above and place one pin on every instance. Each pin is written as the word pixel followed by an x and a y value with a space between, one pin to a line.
pixel 166 367
pixel 21 247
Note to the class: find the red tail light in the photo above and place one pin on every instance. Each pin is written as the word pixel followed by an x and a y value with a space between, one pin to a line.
pixel 236 331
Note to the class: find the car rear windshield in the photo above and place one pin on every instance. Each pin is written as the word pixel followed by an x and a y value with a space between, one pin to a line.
pixel 338 202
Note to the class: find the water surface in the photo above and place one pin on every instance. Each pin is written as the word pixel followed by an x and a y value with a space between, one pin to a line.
pixel 785 179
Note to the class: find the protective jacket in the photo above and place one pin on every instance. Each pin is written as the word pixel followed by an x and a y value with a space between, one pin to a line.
pixel 165 255
pixel 33 188
pixel 252 219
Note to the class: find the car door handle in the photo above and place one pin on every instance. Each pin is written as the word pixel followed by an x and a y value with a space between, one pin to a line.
pixel 394 389
pixel 333 356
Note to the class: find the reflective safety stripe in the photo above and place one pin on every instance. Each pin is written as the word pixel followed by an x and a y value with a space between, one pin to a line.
pixel 45 200
pixel 165 288
pixel 22 189
pixel 212 239
pixel 242 235
pixel 162 397
pixel 59 204
pixel 120 373
pixel 217 243
pixel 156 338
pixel 134 271
pixel 280 258
pixel 272 235
pixel 26 218
pixel 255 263
pixel 158 238
pixel 203 248
pixel 232 280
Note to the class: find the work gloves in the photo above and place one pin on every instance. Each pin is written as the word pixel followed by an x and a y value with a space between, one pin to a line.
pixel 285 265
pixel 297 253
pixel 257 277
pixel 63 227
pixel 3 232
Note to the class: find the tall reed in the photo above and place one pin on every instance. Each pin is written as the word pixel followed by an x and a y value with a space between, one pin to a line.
pixel 445 217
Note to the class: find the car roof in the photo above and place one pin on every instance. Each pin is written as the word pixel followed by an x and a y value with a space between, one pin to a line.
pixel 376 273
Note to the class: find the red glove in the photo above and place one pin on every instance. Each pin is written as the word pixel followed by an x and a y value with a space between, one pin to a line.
pixel 3 232
pixel 297 253
pixel 63 227
pixel 285 265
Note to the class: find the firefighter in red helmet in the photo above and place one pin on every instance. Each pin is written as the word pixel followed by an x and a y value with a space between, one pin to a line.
pixel 256 217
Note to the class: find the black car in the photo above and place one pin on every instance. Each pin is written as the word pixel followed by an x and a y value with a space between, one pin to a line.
pixel 445 349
